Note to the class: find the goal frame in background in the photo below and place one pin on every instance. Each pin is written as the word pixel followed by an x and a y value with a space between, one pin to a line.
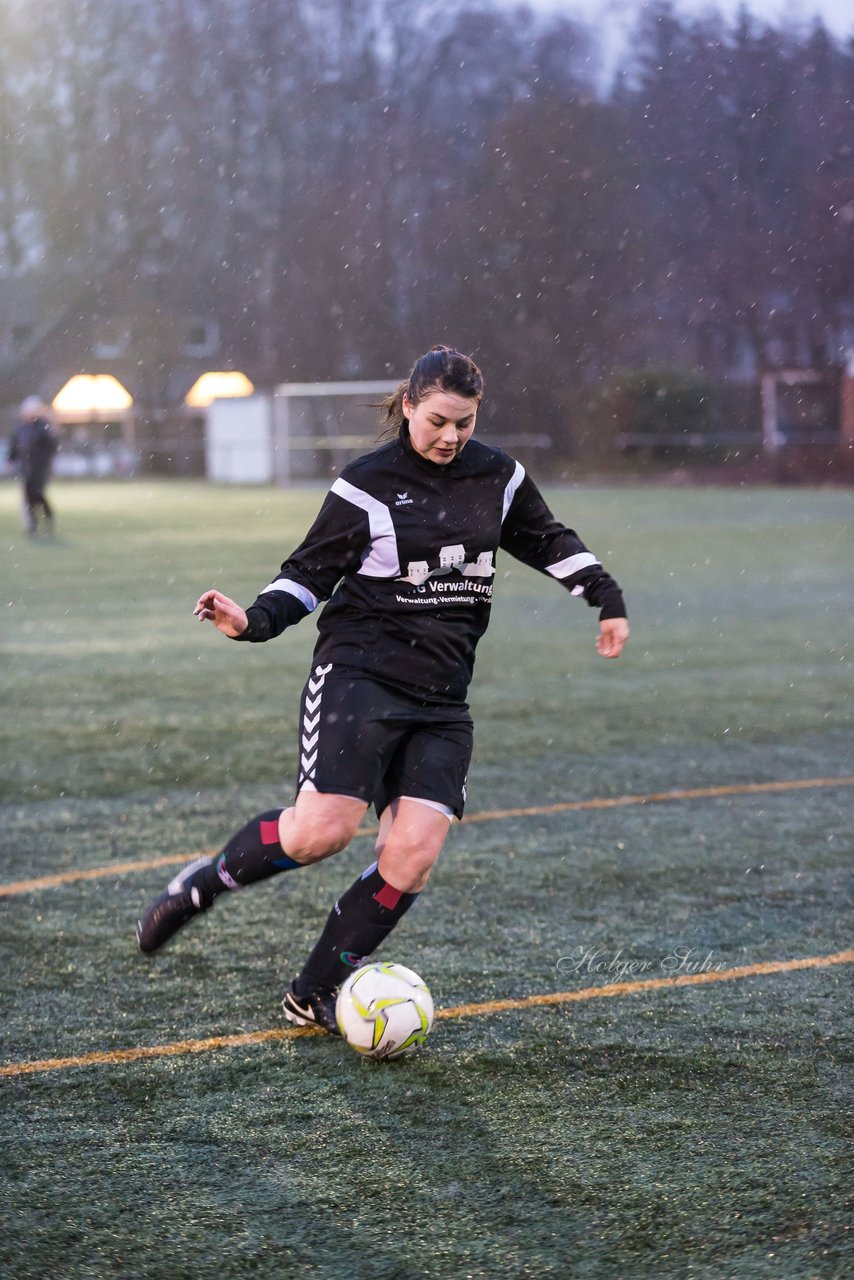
pixel 781 428
pixel 289 440
pixel 264 439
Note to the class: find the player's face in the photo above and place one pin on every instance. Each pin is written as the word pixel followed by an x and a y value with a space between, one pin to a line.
pixel 440 424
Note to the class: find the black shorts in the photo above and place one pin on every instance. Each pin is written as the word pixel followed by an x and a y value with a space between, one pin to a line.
pixel 361 738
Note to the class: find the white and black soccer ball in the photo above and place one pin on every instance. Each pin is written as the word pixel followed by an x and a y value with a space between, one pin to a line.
pixel 384 1010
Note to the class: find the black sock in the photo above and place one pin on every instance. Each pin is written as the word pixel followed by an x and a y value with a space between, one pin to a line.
pixel 254 853
pixel 360 920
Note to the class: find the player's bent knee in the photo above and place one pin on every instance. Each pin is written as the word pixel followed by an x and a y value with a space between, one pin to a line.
pixel 311 842
pixel 309 834
pixel 408 872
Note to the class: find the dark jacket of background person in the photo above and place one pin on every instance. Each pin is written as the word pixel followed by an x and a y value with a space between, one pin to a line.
pixel 33 447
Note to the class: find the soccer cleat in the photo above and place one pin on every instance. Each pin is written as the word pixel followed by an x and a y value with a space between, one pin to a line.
pixel 171 911
pixel 314 1010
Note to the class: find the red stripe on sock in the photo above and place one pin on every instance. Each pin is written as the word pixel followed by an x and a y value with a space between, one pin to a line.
pixel 388 896
pixel 269 832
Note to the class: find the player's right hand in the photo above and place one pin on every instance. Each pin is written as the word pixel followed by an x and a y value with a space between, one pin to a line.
pixel 227 617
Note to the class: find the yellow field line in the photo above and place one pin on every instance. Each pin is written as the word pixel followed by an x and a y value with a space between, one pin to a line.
pixel 493 815
pixel 657 797
pixel 457 1011
pixel 648 984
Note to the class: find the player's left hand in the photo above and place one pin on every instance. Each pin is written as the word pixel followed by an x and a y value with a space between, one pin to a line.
pixel 613 634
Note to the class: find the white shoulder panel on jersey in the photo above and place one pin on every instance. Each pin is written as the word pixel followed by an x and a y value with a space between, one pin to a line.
pixel 293 589
pixel 572 564
pixel 510 491
pixel 382 560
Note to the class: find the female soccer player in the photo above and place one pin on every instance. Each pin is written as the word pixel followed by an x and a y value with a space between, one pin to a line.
pixel 403 549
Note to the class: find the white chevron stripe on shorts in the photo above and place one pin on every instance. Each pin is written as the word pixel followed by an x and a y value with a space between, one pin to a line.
pixel 310 722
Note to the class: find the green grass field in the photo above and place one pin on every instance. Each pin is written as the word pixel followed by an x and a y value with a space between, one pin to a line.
pixel 681 1131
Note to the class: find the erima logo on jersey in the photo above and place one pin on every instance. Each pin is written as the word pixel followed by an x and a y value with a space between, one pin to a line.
pixel 403 500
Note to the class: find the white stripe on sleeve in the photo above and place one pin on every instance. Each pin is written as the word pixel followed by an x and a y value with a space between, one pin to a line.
pixel 510 491
pixel 382 560
pixel 293 589
pixel 572 564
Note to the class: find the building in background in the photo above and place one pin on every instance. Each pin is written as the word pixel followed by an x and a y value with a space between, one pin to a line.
pixel 144 339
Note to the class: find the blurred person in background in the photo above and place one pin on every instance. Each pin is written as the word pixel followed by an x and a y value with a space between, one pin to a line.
pixel 32 447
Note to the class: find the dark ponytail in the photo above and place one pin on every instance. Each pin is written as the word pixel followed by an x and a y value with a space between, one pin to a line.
pixel 439 369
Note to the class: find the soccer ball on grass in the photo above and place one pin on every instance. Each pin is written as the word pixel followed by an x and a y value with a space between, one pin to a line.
pixel 384 1010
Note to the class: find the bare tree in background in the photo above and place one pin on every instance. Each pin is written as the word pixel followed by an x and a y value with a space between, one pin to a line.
pixel 342 182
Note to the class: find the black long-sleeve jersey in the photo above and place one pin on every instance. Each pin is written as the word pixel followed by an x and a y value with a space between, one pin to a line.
pixel 403 549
